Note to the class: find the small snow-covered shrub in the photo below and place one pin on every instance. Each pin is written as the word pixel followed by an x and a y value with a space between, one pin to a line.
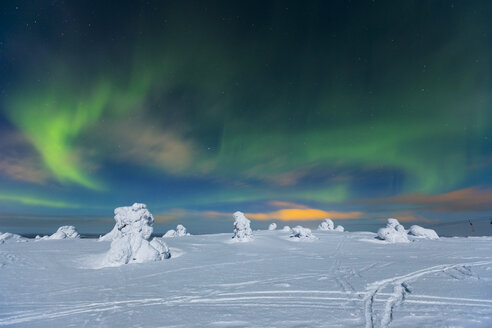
pixel 242 229
pixel 423 233
pixel 300 232
pixel 11 237
pixel 326 225
pixel 394 232
pixel 179 232
pixel 340 228
pixel 133 244
pixel 272 226
pixel 286 229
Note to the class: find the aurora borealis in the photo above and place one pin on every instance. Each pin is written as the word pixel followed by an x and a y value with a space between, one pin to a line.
pixel 359 110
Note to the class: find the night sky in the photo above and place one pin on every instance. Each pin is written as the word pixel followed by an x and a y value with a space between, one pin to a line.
pixel 292 111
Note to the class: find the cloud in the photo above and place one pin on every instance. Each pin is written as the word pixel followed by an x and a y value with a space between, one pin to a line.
pixel 282 204
pixel 19 161
pixel 303 214
pixel 139 142
pixel 468 199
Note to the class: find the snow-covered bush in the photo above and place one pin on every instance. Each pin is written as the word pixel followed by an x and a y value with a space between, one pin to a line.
pixel 272 226
pixel 394 232
pixel 179 232
pixel 286 229
pixel 423 233
pixel 11 237
pixel 326 225
pixel 339 228
pixel 133 244
pixel 301 233
pixel 242 229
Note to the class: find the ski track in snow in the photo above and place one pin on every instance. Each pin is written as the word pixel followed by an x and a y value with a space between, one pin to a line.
pixel 400 290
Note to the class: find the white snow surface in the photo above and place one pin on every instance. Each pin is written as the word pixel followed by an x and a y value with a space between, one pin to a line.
pixel 272 226
pixel 286 229
pixel 394 232
pixel 113 234
pixel 242 229
pixel 338 280
pixel 420 232
pixel 132 244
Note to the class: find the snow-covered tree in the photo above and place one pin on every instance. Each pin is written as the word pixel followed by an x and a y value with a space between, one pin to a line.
pixel 272 226
pixel 326 225
pixel 286 229
pixel 242 229
pixel 133 243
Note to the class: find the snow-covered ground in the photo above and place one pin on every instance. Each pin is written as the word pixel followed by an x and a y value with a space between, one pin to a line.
pixel 340 279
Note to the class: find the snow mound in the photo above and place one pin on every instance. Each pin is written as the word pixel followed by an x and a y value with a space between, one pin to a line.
pixel 63 232
pixel 272 226
pixel 133 244
pixel 286 229
pixel 179 232
pixel 340 228
pixel 11 237
pixel 242 229
pixel 394 232
pixel 423 233
pixel 301 233
pixel 326 225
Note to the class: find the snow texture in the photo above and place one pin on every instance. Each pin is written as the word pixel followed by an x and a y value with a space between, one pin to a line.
pixel 342 280
pixel 326 225
pixel 302 233
pixel 286 229
pixel 394 232
pixel 11 237
pixel 420 232
pixel 133 243
pixel 242 229
pixel 272 226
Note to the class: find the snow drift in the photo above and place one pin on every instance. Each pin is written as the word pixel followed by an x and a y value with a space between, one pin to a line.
pixel 423 233
pixel 272 226
pixel 394 232
pixel 242 229
pixel 179 232
pixel 132 243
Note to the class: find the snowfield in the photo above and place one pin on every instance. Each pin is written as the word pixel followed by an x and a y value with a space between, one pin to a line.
pixel 348 279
